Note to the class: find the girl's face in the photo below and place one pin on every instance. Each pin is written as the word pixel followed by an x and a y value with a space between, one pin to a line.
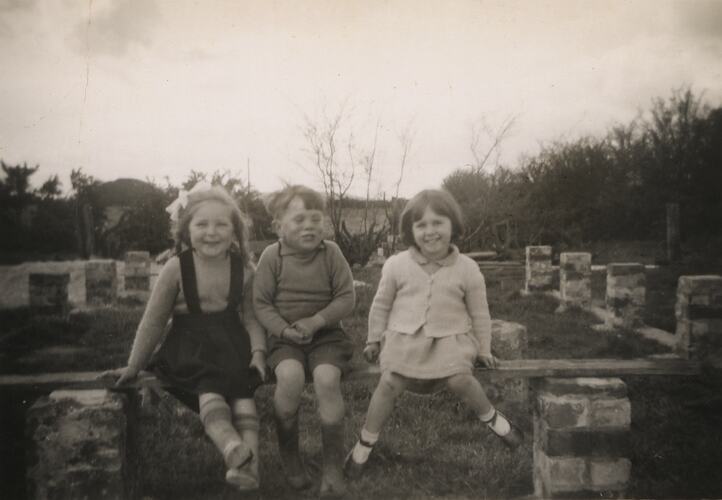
pixel 432 234
pixel 299 227
pixel 211 229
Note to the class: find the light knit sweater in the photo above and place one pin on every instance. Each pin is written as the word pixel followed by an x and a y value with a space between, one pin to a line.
pixel 167 297
pixel 450 301
pixel 292 285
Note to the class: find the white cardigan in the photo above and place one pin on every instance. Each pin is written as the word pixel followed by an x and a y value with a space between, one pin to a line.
pixel 451 301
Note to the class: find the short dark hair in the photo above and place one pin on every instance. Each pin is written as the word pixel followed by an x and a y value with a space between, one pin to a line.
pixel 278 202
pixel 440 202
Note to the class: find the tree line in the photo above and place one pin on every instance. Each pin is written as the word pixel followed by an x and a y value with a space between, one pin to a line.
pixel 614 187
pixel 572 192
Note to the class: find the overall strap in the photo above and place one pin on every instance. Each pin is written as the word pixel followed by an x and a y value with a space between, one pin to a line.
pixel 190 286
pixel 235 293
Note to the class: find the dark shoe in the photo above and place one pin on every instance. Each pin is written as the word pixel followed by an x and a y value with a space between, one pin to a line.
pixel 351 468
pixel 293 468
pixel 514 438
pixel 333 484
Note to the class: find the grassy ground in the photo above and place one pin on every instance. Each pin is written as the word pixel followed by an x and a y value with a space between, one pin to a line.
pixel 431 447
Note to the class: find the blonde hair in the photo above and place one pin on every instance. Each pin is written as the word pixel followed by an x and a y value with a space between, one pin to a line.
pixel 241 223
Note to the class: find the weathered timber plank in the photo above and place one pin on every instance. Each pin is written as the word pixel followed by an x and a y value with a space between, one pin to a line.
pixel 518 368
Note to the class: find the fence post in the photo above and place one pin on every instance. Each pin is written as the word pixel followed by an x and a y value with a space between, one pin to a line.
pixel 81 446
pixel 508 341
pixel 575 280
pixel 49 292
pixel 674 250
pixel 699 316
pixel 101 282
pixel 581 438
pixel 539 271
pixel 625 297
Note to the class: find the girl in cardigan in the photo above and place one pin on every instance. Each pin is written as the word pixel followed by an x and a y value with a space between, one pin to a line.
pixel 430 322
pixel 213 358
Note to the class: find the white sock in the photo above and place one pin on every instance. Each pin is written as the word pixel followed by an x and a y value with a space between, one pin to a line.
pixel 361 451
pixel 501 426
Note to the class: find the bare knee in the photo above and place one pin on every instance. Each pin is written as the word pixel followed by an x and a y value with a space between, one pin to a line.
pixel 391 385
pixel 460 383
pixel 290 379
pixel 327 382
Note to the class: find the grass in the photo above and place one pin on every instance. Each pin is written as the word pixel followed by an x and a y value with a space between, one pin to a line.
pixel 430 447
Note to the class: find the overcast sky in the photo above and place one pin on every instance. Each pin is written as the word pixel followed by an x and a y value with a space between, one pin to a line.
pixel 155 88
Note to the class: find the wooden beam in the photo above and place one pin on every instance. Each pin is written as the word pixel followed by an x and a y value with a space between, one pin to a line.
pixel 518 368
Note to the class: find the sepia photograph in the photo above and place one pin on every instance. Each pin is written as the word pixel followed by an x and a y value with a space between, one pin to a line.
pixel 380 249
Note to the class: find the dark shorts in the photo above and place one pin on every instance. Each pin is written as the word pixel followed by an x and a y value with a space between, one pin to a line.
pixel 329 347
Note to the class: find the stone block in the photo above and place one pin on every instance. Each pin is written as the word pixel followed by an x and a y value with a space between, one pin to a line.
pixel 561 412
pixel 79 446
pixel 49 292
pixel 598 387
pixel 610 413
pixel 586 442
pixel 610 474
pixel 101 282
pixel 508 341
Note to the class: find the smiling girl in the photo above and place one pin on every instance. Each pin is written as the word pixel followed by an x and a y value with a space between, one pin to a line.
pixel 213 358
pixel 431 315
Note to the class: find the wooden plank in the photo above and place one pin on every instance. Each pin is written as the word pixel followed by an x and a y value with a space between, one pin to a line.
pixel 519 368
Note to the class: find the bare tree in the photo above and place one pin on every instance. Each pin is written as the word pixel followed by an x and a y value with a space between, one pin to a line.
pixel 481 128
pixel 393 209
pixel 322 144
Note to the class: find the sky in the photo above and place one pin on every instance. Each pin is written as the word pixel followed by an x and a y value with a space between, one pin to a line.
pixel 152 89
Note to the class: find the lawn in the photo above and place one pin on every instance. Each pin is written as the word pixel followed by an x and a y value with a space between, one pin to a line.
pixel 431 447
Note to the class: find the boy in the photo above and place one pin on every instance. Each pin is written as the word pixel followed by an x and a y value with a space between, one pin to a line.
pixel 303 288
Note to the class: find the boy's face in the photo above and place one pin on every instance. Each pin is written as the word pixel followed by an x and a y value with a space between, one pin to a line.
pixel 299 227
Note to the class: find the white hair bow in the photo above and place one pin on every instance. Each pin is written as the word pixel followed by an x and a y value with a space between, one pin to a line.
pixel 182 201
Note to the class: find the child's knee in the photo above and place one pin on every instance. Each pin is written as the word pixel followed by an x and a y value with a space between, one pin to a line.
pixel 460 382
pixel 290 377
pixel 327 381
pixel 391 385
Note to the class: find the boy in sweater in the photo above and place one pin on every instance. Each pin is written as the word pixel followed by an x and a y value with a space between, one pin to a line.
pixel 303 288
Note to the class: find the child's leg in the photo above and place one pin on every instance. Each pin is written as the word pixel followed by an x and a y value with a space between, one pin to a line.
pixel 216 418
pixel 468 388
pixel 290 379
pixel 331 409
pixel 390 387
pixel 245 421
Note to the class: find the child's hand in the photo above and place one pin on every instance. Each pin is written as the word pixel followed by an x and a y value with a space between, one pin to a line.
pixel 125 375
pixel 292 334
pixel 486 361
pixel 309 326
pixel 258 361
pixel 371 351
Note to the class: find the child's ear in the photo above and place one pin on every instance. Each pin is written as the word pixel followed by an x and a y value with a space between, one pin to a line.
pixel 276 226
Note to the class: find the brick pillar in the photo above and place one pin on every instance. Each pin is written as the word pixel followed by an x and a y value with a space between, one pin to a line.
pixel 674 249
pixel 49 292
pixel 581 438
pixel 101 282
pixel 508 341
pixel 80 438
pixel 539 271
pixel 626 291
pixel 137 274
pixel 699 316
pixel 575 280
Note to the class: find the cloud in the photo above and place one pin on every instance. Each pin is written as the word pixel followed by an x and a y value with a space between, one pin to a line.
pixel 116 27
pixel 700 18
pixel 10 8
